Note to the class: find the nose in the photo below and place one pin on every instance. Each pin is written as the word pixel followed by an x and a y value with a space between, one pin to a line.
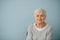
pixel 40 17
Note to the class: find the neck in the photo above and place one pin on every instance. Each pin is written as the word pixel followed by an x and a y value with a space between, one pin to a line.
pixel 41 25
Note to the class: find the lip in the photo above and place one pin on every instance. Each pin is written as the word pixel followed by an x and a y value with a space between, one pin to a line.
pixel 40 19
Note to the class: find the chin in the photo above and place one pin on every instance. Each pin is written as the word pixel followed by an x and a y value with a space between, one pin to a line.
pixel 40 22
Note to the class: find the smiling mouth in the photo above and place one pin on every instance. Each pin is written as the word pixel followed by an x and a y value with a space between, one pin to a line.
pixel 39 20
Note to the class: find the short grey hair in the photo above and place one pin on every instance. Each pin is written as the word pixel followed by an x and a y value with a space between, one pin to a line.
pixel 38 10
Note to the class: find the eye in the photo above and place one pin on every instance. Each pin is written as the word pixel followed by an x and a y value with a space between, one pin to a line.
pixel 37 15
pixel 42 15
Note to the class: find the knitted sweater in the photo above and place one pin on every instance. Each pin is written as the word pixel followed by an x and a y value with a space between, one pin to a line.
pixel 34 34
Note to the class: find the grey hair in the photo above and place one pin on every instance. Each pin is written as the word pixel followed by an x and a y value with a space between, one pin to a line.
pixel 38 10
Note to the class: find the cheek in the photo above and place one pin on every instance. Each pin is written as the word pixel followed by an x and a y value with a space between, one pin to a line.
pixel 43 18
pixel 36 18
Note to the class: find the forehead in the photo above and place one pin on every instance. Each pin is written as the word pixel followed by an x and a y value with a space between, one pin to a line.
pixel 40 13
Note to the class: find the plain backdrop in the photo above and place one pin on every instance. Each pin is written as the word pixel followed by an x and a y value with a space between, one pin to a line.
pixel 17 15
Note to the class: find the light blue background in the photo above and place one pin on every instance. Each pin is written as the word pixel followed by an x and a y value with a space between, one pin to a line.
pixel 16 15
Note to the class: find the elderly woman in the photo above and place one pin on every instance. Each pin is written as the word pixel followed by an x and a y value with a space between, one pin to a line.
pixel 40 30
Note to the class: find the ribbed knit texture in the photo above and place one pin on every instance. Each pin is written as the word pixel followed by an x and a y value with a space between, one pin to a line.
pixel 34 34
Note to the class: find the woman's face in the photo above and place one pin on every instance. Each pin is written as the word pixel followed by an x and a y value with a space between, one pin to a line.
pixel 40 17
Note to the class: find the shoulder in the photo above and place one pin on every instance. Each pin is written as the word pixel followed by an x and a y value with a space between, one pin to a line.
pixel 49 28
pixel 30 27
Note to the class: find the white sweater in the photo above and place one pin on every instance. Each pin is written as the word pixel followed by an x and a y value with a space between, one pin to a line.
pixel 43 34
